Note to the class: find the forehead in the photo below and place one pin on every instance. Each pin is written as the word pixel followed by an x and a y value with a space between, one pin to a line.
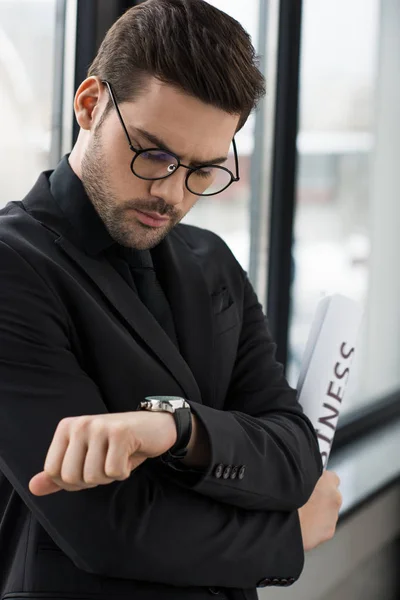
pixel 189 126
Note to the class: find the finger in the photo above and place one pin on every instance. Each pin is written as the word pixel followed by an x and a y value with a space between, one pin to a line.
pixel 94 467
pixel 58 447
pixel 335 478
pixel 74 460
pixel 41 485
pixel 331 475
pixel 117 461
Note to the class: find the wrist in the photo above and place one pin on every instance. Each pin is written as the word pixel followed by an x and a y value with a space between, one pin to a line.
pixel 156 432
pixel 178 410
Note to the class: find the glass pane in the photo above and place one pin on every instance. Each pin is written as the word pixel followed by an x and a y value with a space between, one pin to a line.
pixel 26 74
pixel 228 214
pixel 342 208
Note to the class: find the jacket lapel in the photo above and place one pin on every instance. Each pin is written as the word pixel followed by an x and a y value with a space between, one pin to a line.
pixel 134 313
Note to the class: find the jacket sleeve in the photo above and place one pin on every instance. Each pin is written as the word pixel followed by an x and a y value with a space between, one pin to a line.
pixel 262 433
pixel 144 528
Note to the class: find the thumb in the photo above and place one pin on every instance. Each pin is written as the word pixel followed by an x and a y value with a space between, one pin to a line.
pixel 42 484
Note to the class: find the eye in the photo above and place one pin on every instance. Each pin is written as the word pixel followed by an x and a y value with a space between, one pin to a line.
pixel 156 156
pixel 203 173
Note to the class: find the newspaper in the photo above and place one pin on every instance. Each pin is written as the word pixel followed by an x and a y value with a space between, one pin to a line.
pixel 326 365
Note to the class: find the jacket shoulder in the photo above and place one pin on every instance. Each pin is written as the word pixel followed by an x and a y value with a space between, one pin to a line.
pixel 12 218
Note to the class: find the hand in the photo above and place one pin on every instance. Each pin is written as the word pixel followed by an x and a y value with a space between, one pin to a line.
pixel 94 450
pixel 318 517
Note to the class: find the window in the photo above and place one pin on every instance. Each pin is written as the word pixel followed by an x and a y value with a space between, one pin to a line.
pixel 346 233
pixel 27 35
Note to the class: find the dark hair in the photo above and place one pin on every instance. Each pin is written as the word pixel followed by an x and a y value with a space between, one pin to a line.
pixel 186 43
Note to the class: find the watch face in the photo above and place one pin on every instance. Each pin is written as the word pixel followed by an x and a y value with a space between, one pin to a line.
pixel 164 398
pixel 166 403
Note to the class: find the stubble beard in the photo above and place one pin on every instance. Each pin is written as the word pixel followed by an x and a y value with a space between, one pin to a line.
pixel 118 219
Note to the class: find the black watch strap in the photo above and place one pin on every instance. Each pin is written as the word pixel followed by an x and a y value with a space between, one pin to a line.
pixel 183 421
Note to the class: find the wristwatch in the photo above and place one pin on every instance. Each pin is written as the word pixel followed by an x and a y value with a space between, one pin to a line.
pixel 180 409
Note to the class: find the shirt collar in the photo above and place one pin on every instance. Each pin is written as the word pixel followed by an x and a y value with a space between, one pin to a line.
pixel 68 191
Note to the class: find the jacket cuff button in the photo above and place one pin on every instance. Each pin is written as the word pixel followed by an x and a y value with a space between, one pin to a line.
pixel 219 469
pixel 227 472
pixel 234 472
pixel 242 471
pixel 264 582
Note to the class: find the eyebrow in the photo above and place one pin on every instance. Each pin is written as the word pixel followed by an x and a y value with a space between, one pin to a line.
pixel 160 144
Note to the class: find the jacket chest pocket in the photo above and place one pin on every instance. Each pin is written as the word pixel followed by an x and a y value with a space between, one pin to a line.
pixel 227 319
pixel 225 312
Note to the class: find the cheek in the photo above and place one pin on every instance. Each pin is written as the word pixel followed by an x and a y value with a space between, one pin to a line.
pixel 124 182
pixel 117 159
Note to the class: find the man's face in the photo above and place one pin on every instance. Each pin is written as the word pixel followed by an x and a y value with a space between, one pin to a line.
pixel 136 212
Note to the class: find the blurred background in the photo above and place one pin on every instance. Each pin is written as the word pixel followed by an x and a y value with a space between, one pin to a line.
pixel 316 211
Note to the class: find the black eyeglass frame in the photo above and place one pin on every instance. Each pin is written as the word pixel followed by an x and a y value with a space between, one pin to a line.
pixel 139 151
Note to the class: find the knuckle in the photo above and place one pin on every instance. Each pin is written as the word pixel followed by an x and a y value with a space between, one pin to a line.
pixel 64 424
pixel 111 472
pixel 80 424
pixel 115 473
pixel 91 479
pixel 96 426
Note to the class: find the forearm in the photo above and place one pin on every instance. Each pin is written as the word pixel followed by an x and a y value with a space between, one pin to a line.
pixel 256 463
pixel 156 425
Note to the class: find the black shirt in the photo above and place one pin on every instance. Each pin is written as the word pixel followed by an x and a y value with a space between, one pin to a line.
pixel 69 193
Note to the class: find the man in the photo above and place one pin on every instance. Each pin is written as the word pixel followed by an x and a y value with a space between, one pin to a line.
pixel 107 304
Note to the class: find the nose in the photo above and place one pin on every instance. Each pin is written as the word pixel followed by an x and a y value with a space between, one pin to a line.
pixel 172 189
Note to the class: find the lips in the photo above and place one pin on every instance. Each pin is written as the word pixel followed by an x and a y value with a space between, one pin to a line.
pixel 151 219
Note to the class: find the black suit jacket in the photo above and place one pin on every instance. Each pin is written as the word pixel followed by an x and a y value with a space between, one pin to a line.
pixel 74 340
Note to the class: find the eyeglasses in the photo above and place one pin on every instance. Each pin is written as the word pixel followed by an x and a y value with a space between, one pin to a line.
pixel 154 163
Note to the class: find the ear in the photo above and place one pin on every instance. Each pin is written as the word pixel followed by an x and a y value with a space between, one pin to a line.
pixel 90 100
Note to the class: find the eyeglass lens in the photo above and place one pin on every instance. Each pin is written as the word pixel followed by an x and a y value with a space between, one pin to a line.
pixel 155 164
